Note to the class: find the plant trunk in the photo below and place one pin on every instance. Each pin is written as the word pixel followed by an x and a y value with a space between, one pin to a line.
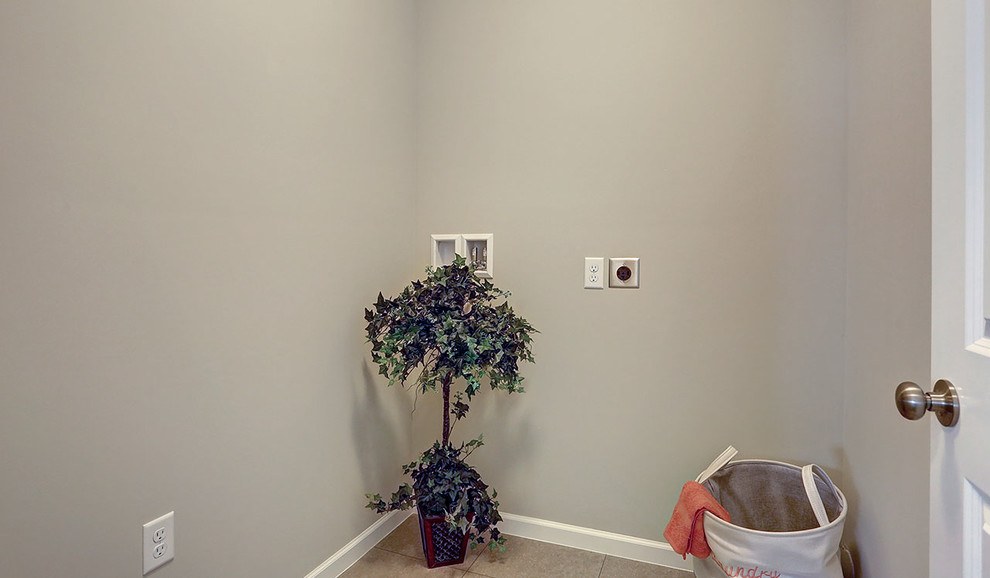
pixel 446 409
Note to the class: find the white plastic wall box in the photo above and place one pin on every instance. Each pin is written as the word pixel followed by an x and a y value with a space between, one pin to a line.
pixel 477 248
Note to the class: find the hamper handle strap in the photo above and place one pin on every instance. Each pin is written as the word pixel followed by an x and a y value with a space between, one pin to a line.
pixel 811 488
pixel 723 458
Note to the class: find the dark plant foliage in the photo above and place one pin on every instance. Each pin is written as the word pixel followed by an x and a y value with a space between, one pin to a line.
pixel 444 485
pixel 451 325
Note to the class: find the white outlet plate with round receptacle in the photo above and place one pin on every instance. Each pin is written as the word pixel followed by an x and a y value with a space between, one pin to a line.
pixel 623 272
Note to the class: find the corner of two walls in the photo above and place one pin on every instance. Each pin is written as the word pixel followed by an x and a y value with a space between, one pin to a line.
pixel 155 281
pixel 198 201
pixel 709 142
pixel 888 319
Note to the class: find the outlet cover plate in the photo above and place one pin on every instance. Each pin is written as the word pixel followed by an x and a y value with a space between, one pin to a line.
pixel 594 272
pixel 623 272
pixel 158 543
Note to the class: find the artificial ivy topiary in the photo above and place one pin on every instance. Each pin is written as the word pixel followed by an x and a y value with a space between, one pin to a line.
pixel 449 327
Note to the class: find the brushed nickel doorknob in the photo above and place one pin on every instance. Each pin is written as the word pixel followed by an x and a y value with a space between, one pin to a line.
pixel 913 402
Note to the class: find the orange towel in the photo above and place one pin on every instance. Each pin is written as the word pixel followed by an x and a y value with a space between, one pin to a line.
pixel 686 530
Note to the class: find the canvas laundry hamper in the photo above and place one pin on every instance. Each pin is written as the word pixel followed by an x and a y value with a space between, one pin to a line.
pixel 786 522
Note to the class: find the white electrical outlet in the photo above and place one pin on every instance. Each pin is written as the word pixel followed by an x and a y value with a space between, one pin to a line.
pixel 594 272
pixel 159 542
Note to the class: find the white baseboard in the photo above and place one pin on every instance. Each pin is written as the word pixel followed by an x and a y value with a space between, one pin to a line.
pixel 346 557
pixel 618 545
pixel 632 548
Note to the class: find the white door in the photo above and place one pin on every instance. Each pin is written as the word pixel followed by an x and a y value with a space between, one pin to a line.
pixel 960 455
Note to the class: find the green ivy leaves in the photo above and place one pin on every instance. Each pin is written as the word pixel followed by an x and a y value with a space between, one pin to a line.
pixel 449 324
pixel 445 485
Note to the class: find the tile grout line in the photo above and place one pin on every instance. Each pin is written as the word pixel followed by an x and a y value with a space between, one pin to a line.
pixel 397 553
pixel 471 565
pixel 468 571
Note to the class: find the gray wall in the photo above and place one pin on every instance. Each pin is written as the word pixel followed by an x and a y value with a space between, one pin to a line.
pixel 706 138
pixel 196 202
pixel 888 319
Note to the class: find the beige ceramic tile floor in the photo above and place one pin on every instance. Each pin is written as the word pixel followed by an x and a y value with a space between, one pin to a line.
pixel 400 555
